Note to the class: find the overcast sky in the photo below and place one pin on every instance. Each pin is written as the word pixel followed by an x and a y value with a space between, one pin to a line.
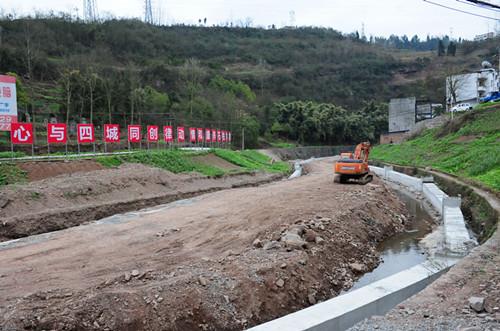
pixel 380 17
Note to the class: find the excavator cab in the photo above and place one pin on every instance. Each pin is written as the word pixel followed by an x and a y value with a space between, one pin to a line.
pixel 354 166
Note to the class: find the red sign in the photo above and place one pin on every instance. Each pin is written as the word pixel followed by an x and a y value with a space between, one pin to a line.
pixel 229 137
pixel 219 137
pixel 8 102
pixel 21 133
pixel 57 133
pixel 192 135
pixel 208 135
pixel 181 137
pixel 85 133
pixel 223 134
pixel 153 134
pixel 134 133
pixel 200 135
pixel 214 135
pixel 168 134
pixel 112 133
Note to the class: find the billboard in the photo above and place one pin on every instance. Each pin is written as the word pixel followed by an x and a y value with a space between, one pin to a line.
pixel 8 102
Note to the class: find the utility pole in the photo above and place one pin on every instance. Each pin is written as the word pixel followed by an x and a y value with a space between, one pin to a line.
pixel 89 11
pixel 148 12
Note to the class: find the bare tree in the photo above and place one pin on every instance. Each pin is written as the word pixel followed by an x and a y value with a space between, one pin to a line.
pixel 192 74
pixel 92 79
pixel 67 82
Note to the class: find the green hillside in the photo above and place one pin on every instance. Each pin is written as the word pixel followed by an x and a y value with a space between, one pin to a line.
pixel 468 146
pixel 268 81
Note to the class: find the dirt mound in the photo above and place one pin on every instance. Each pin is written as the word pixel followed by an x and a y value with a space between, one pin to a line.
pixel 222 261
pixel 66 201
pixel 43 170
pixel 215 161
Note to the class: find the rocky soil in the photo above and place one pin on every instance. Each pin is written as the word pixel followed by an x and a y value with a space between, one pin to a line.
pixel 222 261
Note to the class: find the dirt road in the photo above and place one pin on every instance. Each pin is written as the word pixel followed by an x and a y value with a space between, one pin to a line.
pixel 221 261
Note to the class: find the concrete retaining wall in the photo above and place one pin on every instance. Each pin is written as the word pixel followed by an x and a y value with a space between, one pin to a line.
pixel 303 153
pixel 456 236
pixel 377 298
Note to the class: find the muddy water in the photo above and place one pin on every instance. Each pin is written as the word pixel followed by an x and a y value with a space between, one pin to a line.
pixel 401 251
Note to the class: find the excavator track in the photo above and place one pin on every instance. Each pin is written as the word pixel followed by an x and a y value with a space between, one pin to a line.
pixel 365 179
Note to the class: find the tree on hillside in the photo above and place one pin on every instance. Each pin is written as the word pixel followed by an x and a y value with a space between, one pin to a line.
pixel 92 79
pixel 440 48
pixel 67 82
pixel 192 74
pixel 452 49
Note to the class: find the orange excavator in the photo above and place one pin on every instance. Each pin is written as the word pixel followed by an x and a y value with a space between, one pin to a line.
pixel 354 166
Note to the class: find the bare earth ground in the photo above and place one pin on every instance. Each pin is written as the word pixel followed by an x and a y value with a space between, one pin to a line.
pixel 444 305
pixel 41 170
pixel 75 198
pixel 222 261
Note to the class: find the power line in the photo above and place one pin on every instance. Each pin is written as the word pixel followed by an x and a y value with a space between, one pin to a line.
pixel 484 3
pixel 478 6
pixel 461 11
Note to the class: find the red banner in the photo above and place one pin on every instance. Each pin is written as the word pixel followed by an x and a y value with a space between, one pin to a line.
pixel 192 135
pixel 223 133
pixel 111 133
pixel 57 133
pixel 181 134
pixel 208 135
pixel 200 135
pixel 229 136
pixel 134 133
pixel 85 133
pixel 168 134
pixel 21 133
pixel 214 135
pixel 219 137
pixel 153 135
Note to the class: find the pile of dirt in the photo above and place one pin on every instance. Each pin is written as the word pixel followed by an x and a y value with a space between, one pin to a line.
pixel 73 199
pixel 42 170
pixel 222 261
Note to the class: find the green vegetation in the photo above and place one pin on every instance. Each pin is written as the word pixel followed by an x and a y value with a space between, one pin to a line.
pixel 11 174
pixel 178 161
pixel 468 146
pixel 8 155
pixel 175 161
pixel 252 160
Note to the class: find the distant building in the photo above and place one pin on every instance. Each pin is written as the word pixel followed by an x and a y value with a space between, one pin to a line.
pixel 404 114
pixel 485 36
pixel 469 88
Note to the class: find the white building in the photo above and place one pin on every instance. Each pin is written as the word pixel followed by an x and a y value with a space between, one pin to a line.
pixel 469 88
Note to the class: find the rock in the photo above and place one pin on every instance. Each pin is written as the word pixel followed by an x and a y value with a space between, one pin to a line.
pixel 127 277
pixel 297 229
pixel 280 283
pixel 203 281
pixel 4 202
pixel 135 273
pixel 283 266
pixel 357 267
pixel 311 298
pixel 226 298
pixel 257 243
pixel 319 240
pixel 303 262
pixel 271 245
pixel 293 240
pixel 310 236
pixel 476 303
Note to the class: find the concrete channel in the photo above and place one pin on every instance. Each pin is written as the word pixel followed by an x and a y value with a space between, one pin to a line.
pixel 377 298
